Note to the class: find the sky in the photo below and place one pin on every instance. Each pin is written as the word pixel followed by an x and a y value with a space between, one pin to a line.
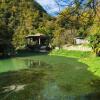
pixel 52 7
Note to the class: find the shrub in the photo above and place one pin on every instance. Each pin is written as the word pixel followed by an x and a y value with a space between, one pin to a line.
pixel 95 43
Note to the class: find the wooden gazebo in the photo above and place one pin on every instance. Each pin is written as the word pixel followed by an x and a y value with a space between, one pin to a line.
pixel 36 37
pixel 36 41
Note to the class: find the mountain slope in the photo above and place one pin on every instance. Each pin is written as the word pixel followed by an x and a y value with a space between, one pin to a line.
pixel 19 18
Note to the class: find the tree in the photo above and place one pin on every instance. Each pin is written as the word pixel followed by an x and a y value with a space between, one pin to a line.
pixel 95 43
pixel 19 18
pixel 94 31
pixel 58 39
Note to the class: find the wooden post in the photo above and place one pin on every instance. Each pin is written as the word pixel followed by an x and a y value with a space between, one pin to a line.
pixel 39 41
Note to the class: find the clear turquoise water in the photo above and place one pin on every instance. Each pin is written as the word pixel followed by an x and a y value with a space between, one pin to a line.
pixel 43 77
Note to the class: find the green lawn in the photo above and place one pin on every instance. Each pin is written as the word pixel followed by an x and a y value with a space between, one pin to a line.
pixel 85 57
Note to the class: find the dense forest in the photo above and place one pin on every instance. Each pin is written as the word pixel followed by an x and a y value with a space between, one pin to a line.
pixel 19 18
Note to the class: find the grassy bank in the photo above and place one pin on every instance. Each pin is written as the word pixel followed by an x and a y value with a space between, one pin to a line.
pixel 85 57
pixel 70 53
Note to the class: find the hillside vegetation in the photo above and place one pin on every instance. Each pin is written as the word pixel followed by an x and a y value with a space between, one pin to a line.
pixel 19 18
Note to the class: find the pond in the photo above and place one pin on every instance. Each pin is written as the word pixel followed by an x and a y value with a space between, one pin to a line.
pixel 44 77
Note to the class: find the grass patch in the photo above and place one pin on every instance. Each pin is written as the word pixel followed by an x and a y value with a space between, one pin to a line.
pixel 74 54
pixel 84 57
pixel 93 64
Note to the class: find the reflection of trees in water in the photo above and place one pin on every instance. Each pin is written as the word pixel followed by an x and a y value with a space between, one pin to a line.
pixel 36 83
pixel 22 85
pixel 25 84
pixel 36 64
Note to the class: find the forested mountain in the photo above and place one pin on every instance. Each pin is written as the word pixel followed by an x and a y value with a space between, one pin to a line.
pixel 19 18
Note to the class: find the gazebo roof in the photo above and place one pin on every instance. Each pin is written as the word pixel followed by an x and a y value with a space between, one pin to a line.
pixel 36 35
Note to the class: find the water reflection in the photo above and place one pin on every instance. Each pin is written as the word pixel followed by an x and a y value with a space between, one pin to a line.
pixel 53 91
pixel 30 63
pixel 22 85
pixel 38 82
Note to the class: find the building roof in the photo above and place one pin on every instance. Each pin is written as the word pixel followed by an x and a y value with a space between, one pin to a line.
pixel 36 35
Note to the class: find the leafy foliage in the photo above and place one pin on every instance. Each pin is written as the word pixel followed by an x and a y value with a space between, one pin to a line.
pixel 20 18
pixel 95 43
pixel 95 34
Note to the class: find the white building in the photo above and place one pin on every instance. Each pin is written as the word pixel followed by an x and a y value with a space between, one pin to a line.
pixel 79 40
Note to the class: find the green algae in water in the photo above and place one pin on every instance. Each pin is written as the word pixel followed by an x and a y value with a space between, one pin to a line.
pixel 45 77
